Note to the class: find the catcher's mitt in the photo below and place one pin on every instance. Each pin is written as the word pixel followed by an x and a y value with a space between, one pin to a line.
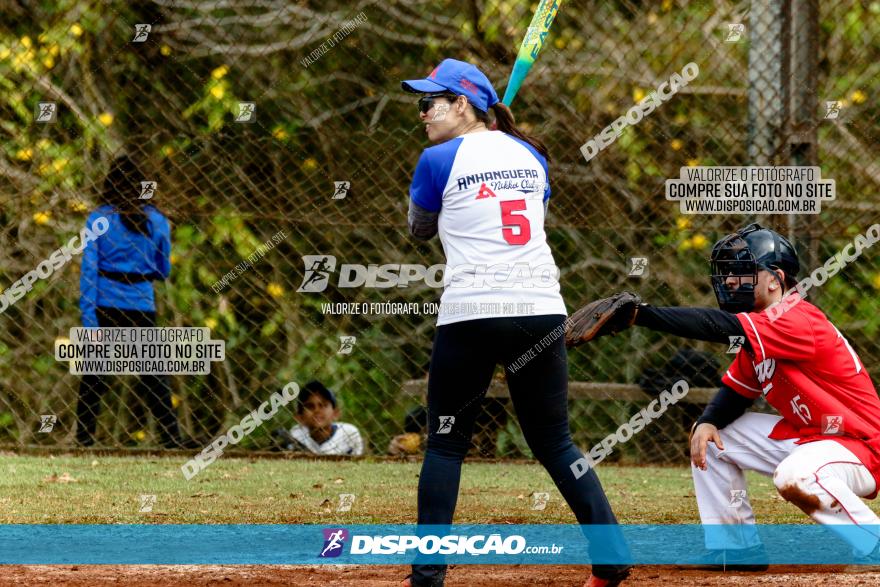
pixel 605 316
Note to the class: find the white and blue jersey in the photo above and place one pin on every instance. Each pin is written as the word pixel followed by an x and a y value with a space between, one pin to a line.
pixel 345 440
pixel 489 189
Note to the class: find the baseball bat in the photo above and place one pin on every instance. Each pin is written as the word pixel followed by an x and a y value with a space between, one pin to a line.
pixel 531 45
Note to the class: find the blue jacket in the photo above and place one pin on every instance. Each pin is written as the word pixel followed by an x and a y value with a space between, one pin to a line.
pixel 120 250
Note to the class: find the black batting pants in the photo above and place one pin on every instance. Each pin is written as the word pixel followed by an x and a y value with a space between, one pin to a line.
pixel 462 364
pixel 156 389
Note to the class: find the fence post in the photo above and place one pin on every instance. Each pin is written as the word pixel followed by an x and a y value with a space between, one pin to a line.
pixel 803 17
pixel 768 68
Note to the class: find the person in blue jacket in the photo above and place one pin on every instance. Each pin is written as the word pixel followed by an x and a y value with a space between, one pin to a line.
pixel 116 289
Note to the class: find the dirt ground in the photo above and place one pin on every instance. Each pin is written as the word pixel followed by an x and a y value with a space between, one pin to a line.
pixel 460 576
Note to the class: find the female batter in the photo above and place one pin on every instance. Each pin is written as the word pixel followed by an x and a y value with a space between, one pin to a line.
pixel 485 193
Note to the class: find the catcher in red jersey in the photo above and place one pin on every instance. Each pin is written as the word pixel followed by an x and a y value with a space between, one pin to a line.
pixel 823 450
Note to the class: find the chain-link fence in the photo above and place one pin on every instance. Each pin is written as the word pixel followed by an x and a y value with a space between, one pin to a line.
pixel 275 130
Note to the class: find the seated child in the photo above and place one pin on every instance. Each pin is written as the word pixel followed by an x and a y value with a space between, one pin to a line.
pixel 318 431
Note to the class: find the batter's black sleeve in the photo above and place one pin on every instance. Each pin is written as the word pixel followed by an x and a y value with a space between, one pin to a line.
pixel 725 407
pixel 698 323
pixel 422 223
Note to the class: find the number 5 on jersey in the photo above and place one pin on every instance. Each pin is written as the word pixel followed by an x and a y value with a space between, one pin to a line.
pixel 516 230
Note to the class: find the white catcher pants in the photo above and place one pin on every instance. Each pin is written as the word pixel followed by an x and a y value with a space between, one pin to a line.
pixel 823 478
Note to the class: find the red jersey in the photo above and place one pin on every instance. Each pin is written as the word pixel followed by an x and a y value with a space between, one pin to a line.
pixel 807 370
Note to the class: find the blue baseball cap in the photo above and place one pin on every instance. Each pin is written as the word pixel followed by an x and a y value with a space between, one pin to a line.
pixel 314 388
pixel 460 78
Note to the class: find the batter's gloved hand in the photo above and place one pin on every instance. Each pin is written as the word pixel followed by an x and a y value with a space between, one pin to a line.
pixel 605 316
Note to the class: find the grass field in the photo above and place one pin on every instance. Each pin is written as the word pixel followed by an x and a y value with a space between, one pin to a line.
pixel 104 489
pixel 107 489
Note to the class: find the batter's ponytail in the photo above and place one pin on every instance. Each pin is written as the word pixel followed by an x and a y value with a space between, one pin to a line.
pixel 506 124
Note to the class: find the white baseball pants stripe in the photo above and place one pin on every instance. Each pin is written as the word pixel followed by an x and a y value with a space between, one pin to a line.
pixel 823 478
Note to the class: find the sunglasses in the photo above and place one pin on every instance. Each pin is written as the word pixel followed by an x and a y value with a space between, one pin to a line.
pixel 427 102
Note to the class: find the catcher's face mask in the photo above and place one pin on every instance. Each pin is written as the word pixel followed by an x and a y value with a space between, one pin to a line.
pixel 734 274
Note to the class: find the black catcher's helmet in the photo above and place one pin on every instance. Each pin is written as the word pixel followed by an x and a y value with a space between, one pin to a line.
pixel 742 254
